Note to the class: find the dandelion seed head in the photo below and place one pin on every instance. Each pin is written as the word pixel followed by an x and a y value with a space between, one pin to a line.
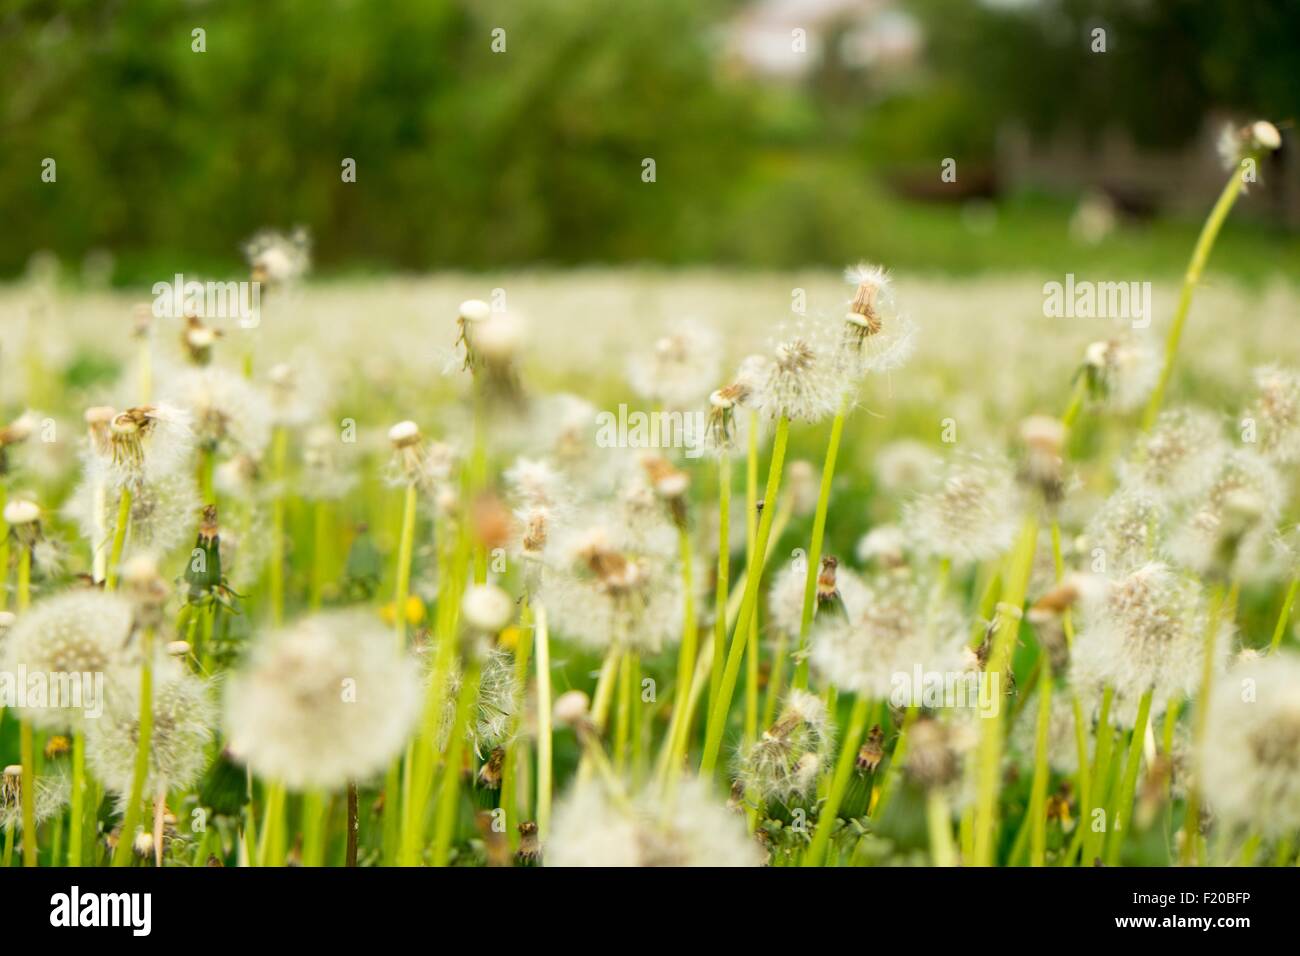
pixel 1143 632
pixel 1122 370
pixel 75 632
pixel 229 413
pixel 326 701
pixel 899 626
pixel 1252 752
pixel 487 608
pixel 877 337
pixel 1174 461
pixel 784 764
pixel 52 792
pixel 691 828
pixel 1276 412
pixel 680 369
pixel 183 719
pixel 1227 528
pixel 970 516
pixel 785 600
pixel 277 258
pixel 1125 532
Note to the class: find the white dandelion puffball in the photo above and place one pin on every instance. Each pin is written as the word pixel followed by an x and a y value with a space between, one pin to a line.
pixel 73 633
pixel 1276 414
pixel 326 701
pixel 1252 753
pixel 970 516
pixel 229 412
pixel 184 718
pixel 1143 632
pixel 1176 460
pixel 805 378
pixel 785 600
pixel 899 626
pixel 692 828
pixel 680 369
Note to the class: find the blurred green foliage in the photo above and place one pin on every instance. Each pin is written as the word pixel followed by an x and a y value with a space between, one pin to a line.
pixel 467 157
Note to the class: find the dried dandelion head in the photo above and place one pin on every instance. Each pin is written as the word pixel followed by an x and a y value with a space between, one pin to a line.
pixel 1236 145
pixel 52 792
pixel 275 258
pixel 804 379
pixel 877 338
pixel 228 412
pixel 786 762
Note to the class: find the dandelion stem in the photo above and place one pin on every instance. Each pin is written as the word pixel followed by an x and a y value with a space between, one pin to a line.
pixel 119 539
pixel 315 820
pixel 939 819
pixel 77 809
pixel 718 713
pixel 1219 604
pixel 839 783
pixel 1123 803
pixel 444 823
pixel 895 764
pixel 989 758
pixel 28 797
pixel 1284 615
pixel 275 582
pixel 131 819
pixel 679 729
pixel 544 742
pixel 724 561
pixel 815 547
pixel 271 849
pixel 1200 255
pixel 351 858
pixel 1038 789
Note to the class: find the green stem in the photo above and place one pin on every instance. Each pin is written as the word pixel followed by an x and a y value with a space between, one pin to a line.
pixel 1119 815
pixel 78 801
pixel 724 558
pixel 314 823
pixel 1038 789
pixel 28 798
pixel 1200 254
pixel 939 819
pixel 1284 615
pixel 275 583
pixel 126 839
pixel 1201 723
pixel 815 547
pixel 989 758
pixel 843 770
pixel 544 746
pixel 718 713
pixel 119 539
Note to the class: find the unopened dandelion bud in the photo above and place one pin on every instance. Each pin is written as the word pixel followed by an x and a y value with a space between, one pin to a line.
pixel 1044 439
pixel 829 601
pixel 486 608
